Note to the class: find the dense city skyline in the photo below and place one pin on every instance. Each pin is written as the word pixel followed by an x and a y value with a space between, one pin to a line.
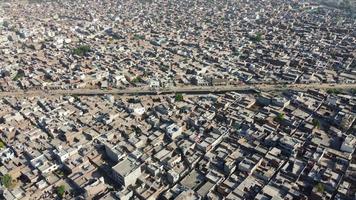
pixel 178 99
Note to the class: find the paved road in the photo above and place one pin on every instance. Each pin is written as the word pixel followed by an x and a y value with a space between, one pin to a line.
pixel 185 89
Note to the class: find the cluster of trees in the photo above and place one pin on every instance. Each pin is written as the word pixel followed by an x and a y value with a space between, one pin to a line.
pixel 7 181
pixel 338 91
pixel 19 75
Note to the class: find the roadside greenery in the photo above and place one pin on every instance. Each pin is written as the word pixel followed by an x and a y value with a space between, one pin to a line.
pixel 179 97
pixel 333 91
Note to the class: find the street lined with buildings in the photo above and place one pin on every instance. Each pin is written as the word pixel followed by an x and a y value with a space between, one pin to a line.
pixel 186 89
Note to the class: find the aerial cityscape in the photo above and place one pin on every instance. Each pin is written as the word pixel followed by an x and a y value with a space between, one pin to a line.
pixel 178 99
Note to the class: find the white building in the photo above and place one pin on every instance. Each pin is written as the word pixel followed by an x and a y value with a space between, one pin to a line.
pixel 127 171
pixel 44 164
pixel 174 130
pixel 6 155
pixel 349 144
pixel 154 83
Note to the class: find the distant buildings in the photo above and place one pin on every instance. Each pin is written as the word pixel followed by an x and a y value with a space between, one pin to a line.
pixel 262 145
pixel 176 50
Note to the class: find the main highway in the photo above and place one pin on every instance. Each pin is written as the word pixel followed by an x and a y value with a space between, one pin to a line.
pixel 172 90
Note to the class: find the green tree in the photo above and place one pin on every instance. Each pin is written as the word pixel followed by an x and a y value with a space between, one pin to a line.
pixel 179 97
pixel 19 75
pixel 5 24
pixel 353 91
pixel 279 117
pixel 316 123
pixel 6 181
pixel 60 190
pixel 320 187
pixel 138 79
pixel 256 38
pixel 81 50
pixel 2 145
